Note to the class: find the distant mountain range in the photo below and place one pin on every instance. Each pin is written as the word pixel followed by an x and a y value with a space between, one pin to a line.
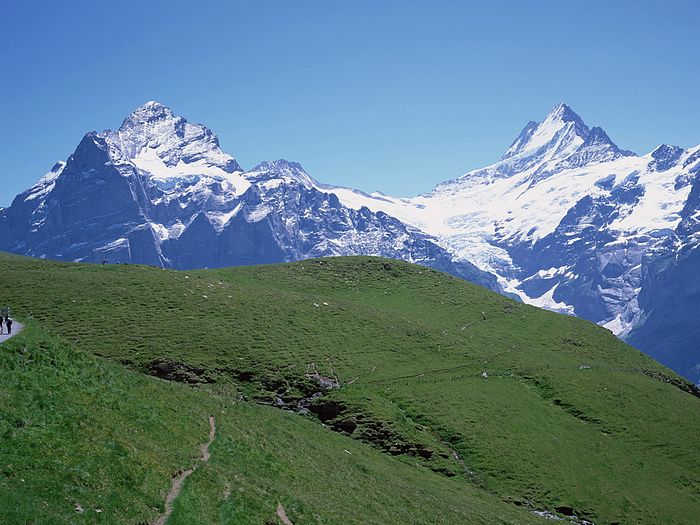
pixel 565 220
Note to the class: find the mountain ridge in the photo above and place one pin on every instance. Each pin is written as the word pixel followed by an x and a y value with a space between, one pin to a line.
pixel 565 220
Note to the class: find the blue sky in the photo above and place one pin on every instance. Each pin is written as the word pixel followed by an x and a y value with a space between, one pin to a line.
pixel 393 96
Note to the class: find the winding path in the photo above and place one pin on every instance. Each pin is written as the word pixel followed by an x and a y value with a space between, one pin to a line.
pixel 16 328
pixel 281 514
pixel 178 479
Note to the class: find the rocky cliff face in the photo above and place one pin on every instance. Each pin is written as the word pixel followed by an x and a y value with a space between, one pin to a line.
pixel 669 297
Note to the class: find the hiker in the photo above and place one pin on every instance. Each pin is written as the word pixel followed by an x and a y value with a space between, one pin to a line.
pixel 0 324
pixel 8 323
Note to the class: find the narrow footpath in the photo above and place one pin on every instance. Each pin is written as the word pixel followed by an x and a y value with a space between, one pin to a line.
pixel 282 514
pixel 16 328
pixel 179 478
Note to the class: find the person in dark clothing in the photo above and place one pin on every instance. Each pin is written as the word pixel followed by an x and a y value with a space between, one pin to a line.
pixel 0 324
pixel 8 323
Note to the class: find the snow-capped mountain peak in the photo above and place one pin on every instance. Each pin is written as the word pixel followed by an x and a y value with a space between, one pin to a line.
pixel 561 141
pixel 561 123
pixel 154 126
pixel 150 111
pixel 563 112
pixel 563 134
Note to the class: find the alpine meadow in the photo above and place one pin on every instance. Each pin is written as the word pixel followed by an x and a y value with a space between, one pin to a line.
pixel 333 383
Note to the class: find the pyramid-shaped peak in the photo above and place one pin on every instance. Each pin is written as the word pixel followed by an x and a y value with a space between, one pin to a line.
pixel 562 133
pixel 560 123
pixel 564 113
pixel 154 126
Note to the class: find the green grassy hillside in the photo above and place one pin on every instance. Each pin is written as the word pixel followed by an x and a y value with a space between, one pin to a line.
pixel 79 431
pixel 456 405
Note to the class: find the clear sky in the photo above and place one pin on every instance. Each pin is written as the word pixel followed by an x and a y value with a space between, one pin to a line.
pixel 393 96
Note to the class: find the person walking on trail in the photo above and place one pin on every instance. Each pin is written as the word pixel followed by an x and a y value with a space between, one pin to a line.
pixel 8 323
pixel 0 324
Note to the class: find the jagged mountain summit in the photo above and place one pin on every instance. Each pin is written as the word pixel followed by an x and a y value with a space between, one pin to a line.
pixel 561 141
pixel 160 191
pixel 153 130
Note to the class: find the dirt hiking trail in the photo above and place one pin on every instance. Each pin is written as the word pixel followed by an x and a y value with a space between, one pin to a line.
pixel 178 479
pixel 16 328
pixel 281 514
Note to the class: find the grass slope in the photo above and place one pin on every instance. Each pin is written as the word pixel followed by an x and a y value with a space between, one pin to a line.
pixel 568 417
pixel 76 430
pixel 80 431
